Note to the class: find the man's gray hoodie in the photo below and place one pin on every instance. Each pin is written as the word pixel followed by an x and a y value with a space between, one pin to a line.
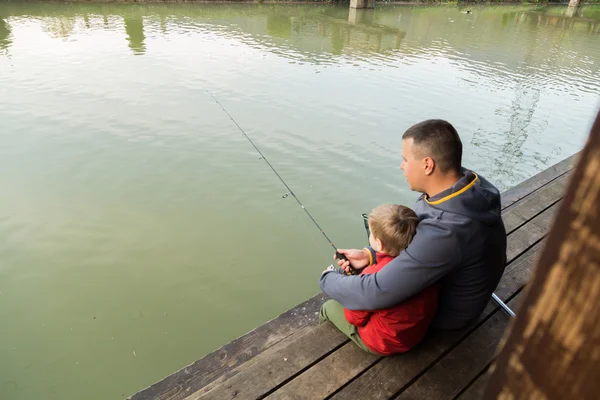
pixel 460 241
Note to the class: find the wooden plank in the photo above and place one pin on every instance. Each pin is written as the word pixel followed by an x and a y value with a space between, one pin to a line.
pixel 328 375
pixel 477 388
pixel 553 350
pixel 529 207
pixel 377 382
pixel 531 185
pixel 459 367
pixel 273 367
pixel 214 365
pixel 531 233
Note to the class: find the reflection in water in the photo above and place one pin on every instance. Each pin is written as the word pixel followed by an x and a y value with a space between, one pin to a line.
pixel 570 11
pixel 5 34
pixel 337 39
pixel 361 16
pixel 346 30
pixel 358 31
pixel 86 21
pixel 134 27
pixel 59 27
pixel 504 159
pixel 570 20
pixel 163 23
pixel 279 25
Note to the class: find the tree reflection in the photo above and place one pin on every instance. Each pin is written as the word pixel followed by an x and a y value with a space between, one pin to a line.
pixel 279 25
pixel 5 34
pixel 134 27
pixel 59 27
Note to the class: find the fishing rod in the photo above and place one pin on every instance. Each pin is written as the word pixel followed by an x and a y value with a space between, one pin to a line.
pixel 338 255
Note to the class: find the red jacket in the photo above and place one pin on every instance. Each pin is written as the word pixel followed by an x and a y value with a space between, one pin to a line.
pixel 399 328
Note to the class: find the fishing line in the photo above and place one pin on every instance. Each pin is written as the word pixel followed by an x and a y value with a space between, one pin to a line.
pixel 289 189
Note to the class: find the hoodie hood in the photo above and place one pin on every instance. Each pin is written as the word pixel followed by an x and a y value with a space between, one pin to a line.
pixel 472 196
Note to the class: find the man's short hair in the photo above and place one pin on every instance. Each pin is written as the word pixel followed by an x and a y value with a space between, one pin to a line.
pixel 394 225
pixel 439 140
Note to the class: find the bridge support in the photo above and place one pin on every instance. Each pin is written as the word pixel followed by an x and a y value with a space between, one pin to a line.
pixel 358 16
pixel 573 4
pixel 366 3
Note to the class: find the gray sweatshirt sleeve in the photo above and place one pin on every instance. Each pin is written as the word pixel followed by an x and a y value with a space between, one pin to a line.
pixel 433 253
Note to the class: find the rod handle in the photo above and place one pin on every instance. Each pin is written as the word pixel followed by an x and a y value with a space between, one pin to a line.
pixel 340 256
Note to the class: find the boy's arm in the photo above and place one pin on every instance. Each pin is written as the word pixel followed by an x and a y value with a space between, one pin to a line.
pixel 357 318
pixel 433 253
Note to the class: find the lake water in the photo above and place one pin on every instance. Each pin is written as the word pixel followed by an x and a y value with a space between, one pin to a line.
pixel 139 230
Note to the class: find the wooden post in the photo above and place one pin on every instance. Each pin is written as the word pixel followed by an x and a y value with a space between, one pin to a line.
pixel 362 3
pixel 553 350
pixel 573 3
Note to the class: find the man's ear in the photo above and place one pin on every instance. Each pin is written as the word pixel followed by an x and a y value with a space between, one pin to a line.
pixel 428 165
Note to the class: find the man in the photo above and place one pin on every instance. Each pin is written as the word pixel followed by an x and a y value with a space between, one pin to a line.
pixel 460 240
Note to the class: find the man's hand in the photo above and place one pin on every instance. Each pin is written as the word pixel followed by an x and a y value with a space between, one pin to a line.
pixel 358 258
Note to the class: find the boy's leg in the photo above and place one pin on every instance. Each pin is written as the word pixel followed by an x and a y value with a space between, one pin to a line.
pixel 333 312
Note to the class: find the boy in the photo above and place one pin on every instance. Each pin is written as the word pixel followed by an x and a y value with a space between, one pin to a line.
pixel 399 328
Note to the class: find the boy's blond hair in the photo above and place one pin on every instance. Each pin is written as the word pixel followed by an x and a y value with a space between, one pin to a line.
pixel 394 225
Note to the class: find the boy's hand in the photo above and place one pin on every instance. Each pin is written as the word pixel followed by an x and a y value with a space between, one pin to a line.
pixel 331 268
pixel 358 258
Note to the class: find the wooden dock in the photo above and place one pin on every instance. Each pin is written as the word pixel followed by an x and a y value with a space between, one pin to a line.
pixel 293 357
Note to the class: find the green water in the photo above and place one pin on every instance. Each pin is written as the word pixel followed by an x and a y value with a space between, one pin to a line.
pixel 139 230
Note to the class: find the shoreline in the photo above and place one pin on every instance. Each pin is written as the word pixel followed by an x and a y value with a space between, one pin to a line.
pixel 316 2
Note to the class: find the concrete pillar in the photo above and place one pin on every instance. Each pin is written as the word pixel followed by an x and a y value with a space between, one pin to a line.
pixel 573 4
pixel 364 3
pixel 357 16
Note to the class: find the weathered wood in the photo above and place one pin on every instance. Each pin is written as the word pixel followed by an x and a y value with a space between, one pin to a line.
pixel 214 365
pixel 529 207
pixel 459 367
pixel 531 185
pixel 375 383
pixel 328 375
pixel 553 350
pixel 518 272
pixel 273 367
pixel 476 389
pixel 528 235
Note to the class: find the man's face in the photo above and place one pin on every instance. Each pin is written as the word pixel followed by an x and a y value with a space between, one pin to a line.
pixel 413 167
